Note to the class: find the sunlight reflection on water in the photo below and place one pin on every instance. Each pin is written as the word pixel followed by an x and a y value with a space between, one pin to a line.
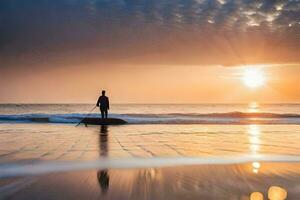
pixel 254 132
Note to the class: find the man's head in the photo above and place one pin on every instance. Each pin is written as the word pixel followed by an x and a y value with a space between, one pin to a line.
pixel 103 92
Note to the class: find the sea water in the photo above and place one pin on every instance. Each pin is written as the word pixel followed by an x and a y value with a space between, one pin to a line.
pixel 156 113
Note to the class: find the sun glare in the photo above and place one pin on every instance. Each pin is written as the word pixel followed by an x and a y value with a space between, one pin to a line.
pixel 253 77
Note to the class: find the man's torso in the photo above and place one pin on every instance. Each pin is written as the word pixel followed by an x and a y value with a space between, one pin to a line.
pixel 103 102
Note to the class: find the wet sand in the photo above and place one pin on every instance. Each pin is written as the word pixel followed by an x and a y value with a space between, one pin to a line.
pixel 66 142
pixel 184 182
pixel 32 144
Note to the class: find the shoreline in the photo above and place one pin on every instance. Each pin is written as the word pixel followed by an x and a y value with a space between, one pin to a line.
pixel 37 167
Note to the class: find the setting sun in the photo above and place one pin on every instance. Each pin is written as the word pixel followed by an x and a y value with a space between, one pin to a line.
pixel 253 77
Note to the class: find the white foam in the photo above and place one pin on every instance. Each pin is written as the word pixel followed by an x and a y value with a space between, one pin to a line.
pixel 172 118
pixel 45 167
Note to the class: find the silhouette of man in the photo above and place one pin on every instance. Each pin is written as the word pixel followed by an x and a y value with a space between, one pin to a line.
pixel 103 103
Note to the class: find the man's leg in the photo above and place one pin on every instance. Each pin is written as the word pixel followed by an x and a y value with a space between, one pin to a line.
pixel 105 113
pixel 102 114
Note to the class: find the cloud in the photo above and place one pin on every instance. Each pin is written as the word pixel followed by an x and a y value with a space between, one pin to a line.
pixel 153 32
pixel 264 65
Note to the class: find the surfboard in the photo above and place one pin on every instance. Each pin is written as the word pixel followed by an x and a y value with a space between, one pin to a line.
pixel 100 121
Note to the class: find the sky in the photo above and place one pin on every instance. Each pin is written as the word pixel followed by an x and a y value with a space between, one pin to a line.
pixel 149 51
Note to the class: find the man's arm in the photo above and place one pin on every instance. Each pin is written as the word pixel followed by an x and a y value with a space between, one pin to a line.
pixel 107 103
pixel 98 102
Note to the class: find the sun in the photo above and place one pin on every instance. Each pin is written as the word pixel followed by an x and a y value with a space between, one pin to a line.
pixel 253 77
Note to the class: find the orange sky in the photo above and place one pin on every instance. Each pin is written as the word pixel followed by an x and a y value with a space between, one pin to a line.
pixel 148 51
pixel 162 84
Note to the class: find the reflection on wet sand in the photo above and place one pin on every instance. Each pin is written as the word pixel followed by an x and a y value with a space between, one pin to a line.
pixel 277 193
pixel 143 183
pixel 103 179
pixel 256 166
pixel 103 175
pixel 274 193
pixel 256 196
pixel 209 182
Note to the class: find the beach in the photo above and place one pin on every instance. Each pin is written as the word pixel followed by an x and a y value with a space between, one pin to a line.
pixel 149 100
pixel 146 161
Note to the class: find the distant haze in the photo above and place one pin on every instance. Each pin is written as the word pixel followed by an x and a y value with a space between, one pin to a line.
pixel 148 51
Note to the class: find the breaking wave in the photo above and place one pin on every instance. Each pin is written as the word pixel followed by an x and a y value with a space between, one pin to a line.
pixel 172 118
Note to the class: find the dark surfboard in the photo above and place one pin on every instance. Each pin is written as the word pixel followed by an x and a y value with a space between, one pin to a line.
pixel 99 121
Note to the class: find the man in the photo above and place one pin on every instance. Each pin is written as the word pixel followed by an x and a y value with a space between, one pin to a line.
pixel 103 103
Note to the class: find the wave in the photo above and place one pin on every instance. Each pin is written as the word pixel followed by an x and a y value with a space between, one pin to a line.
pixel 171 118
pixel 37 167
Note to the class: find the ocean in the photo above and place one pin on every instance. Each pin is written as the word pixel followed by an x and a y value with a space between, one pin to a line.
pixel 252 113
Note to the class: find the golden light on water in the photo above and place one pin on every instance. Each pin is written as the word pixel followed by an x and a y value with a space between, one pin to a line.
pixel 254 138
pixel 253 107
pixel 253 77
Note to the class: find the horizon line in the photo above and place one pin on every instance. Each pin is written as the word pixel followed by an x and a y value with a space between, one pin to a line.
pixel 147 103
